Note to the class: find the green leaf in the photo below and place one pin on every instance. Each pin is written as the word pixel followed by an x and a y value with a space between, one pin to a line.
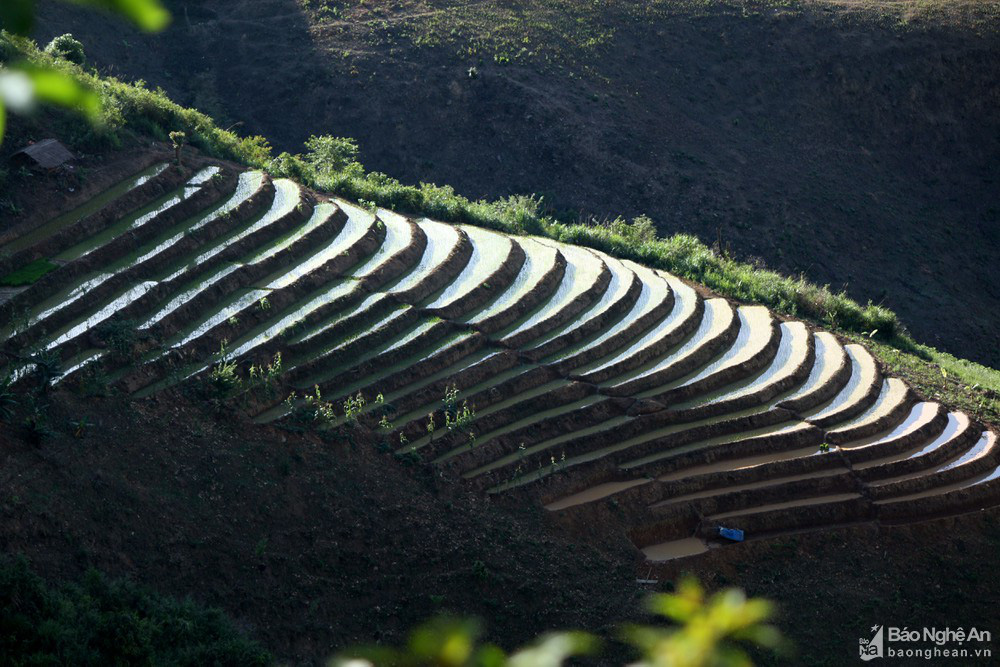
pixel 681 605
pixel 553 649
pixel 367 656
pixel 646 637
pixel 732 656
pixel 17 16
pixel 63 89
pixel 762 635
pixel 147 14
pixel 490 656
pixel 444 641
pixel 17 90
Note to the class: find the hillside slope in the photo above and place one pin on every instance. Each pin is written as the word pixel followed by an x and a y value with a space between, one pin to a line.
pixel 312 533
pixel 308 545
pixel 855 142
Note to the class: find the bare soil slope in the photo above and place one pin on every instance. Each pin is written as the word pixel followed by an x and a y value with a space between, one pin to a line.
pixel 858 143
pixel 309 545
pixel 313 545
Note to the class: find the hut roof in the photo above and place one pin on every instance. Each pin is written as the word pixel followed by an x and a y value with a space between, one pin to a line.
pixel 47 153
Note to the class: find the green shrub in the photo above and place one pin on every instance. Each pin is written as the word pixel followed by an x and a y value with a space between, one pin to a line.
pixel 68 48
pixel 287 165
pixel 101 622
pixel 119 337
pixel 326 154
pixel 8 51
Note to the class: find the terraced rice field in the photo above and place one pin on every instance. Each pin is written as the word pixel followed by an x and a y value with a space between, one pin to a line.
pixel 613 394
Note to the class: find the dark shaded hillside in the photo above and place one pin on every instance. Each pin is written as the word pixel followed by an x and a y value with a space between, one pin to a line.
pixel 308 545
pixel 311 542
pixel 860 146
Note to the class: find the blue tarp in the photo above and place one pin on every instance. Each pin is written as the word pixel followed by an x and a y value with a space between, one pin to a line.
pixel 731 534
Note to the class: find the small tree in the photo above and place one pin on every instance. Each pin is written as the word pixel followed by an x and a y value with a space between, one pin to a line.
pixel 327 155
pixel 68 48
pixel 177 138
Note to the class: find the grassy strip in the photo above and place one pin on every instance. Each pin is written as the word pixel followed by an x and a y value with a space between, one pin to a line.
pixel 681 254
pixel 28 273
pixel 330 164
pixel 130 111
pixel 100 622
pixel 954 382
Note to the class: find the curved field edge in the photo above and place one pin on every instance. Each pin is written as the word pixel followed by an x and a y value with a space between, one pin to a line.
pixel 132 111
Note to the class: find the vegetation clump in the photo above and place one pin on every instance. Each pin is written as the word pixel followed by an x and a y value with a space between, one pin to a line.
pixel 28 274
pixel 120 337
pixel 312 411
pixel 459 418
pixel 68 48
pixel 100 622
pixel 224 377
pixel 265 378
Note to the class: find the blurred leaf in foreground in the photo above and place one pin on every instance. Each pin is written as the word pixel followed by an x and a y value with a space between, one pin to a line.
pixel 23 86
pixel 453 642
pixel 147 14
pixel 709 630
